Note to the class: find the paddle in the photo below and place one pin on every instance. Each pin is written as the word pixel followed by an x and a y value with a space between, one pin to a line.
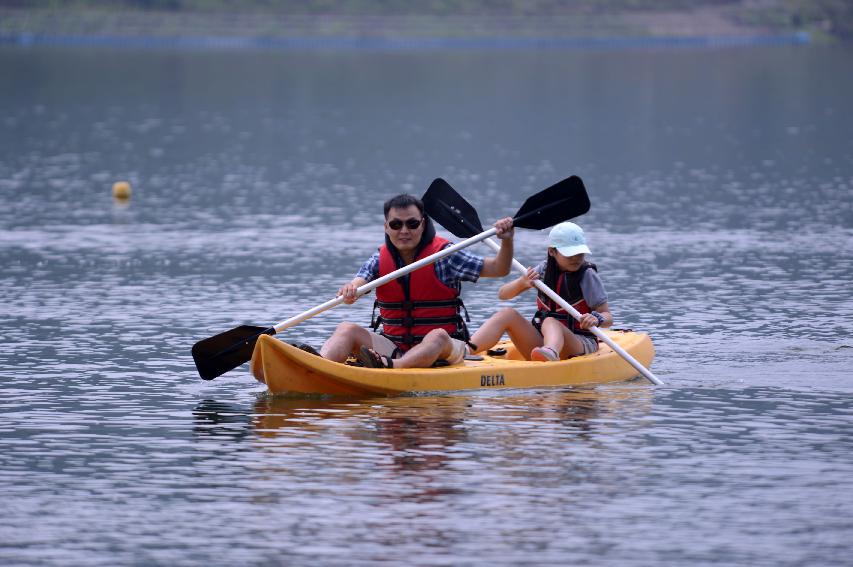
pixel 449 209
pixel 226 351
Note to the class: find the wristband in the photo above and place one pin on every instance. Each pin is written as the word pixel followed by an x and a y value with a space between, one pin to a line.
pixel 598 316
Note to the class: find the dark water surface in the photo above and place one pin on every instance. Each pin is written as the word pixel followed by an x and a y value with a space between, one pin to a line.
pixel 722 222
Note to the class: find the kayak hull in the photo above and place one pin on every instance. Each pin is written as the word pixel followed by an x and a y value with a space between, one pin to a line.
pixel 286 369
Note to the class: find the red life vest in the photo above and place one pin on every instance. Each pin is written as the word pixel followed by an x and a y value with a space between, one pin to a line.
pixel 408 310
pixel 569 288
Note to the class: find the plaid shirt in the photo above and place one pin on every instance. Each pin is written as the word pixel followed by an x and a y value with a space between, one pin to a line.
pixel 461 266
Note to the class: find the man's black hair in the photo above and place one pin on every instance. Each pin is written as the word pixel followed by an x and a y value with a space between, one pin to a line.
pixel 402 201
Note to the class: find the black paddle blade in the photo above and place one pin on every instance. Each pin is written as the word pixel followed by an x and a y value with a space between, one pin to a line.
pixel 450 210
pixel 560 202
pixel 226 351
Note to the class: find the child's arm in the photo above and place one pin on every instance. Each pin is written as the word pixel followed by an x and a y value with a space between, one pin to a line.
pixel 588 319
pixel 518 285
pixel 596 298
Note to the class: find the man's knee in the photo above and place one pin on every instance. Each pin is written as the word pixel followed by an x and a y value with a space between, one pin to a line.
pixel 437 336
pixel 509 314
pixel 551 323
pixel 347 329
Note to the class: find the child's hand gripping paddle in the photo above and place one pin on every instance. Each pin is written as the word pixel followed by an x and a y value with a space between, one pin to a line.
pixel 449 209
pixel 217 355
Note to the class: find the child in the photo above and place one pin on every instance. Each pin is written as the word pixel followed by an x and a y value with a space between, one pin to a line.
pixel 553 334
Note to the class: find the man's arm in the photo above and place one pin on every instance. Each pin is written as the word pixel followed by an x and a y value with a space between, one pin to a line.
pixel 348 289
pixel 367 273
pixel 499 265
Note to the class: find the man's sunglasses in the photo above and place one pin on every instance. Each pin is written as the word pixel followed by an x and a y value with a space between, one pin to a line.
pixel 411 224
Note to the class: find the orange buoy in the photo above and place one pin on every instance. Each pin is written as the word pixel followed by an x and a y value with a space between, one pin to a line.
pixel 121 190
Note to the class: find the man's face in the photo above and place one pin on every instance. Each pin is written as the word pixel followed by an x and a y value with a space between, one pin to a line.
pixel 402 236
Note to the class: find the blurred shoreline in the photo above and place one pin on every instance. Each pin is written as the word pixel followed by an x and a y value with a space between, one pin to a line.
pixel 707 25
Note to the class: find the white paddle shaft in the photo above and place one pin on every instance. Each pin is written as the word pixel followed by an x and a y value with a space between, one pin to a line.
pixel 370 286
pixel 576 314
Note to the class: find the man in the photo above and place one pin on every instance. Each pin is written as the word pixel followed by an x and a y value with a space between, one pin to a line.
pixel 419 312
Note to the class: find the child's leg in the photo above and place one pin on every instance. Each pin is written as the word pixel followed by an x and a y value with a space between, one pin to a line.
pixel 554 335
pixel 507 320
pixel 576 345
pixel 560 339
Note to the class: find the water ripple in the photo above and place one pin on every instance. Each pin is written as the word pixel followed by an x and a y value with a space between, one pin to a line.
pixel 722 228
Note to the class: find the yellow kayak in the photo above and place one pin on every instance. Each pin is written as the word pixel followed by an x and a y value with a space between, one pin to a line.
pixel 287 369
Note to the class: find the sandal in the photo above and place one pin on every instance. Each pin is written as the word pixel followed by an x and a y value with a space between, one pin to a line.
pixel 372 359
pixel 544 354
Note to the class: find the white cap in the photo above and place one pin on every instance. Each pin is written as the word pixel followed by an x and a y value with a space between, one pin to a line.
pixel 568 239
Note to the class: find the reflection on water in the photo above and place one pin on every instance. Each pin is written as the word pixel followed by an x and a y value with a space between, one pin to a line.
pixel 219 420
pixel 424 433
pixel 721 223
pixel 556 469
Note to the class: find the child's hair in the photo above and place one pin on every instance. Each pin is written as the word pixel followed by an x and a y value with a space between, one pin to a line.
pixel 552 272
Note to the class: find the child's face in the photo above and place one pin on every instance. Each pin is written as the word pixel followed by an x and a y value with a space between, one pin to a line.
pixel 567 263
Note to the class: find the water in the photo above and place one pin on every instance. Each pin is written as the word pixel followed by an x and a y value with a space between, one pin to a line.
pixel 721 220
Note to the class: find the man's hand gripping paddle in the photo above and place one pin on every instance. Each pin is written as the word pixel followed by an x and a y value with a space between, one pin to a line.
pixel 218 354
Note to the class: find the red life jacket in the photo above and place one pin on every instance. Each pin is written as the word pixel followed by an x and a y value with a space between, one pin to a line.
pixel 410 308
pixel 569 288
